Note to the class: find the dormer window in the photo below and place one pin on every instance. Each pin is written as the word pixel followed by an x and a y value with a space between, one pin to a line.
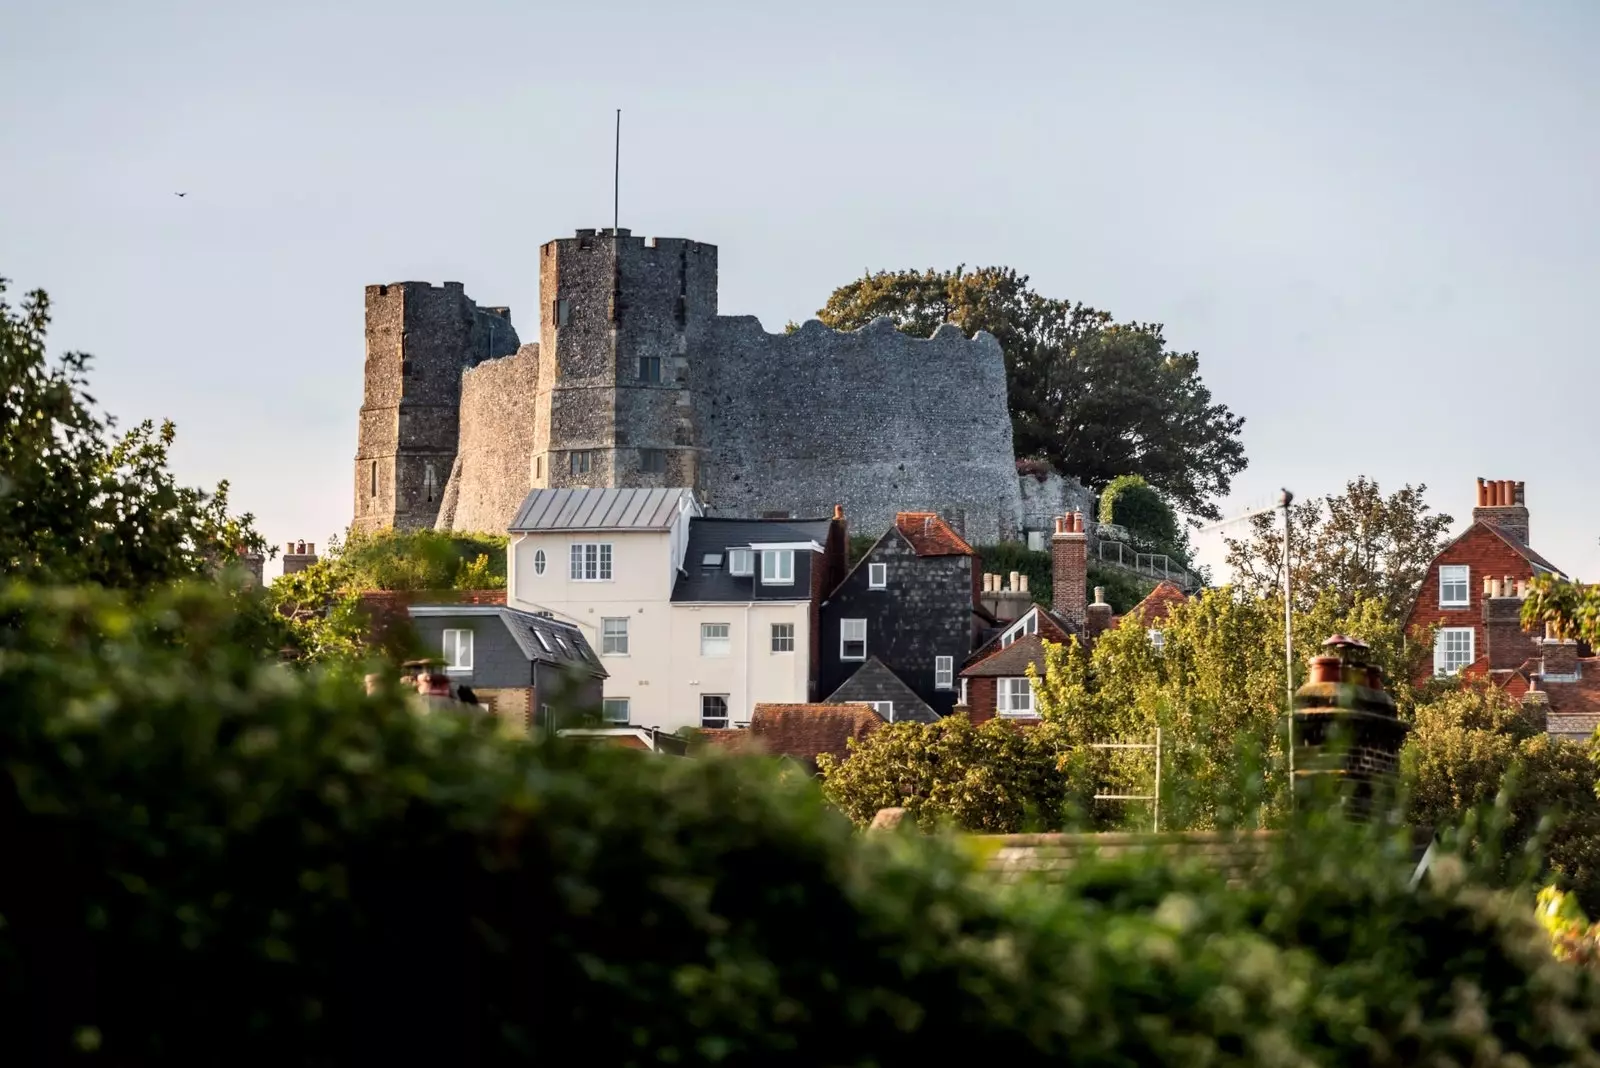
pixel 741 562
pixel 777 567
pixel 1454 584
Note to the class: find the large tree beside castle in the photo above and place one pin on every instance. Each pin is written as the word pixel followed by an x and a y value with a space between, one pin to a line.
pixel 1094 397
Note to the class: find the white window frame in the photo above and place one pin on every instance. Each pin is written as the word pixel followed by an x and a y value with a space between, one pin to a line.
pixel 725 718
pixel 1158 640
pixel 846 628
pixel 782 573
pixel 1008 694
pixel 1442 659
pixel 877 576
pixel 883 708
pixel 708 635
pixel 783 638
pixel 452 644
pixel 944 673
pixel 1028 624
pixel 614 641
pixel 1455 575
pixel 587 566
pixel 741 562
pixel 605 711
pixel 538 561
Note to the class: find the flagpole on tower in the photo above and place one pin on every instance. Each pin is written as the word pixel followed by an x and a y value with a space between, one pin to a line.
pixel 616 177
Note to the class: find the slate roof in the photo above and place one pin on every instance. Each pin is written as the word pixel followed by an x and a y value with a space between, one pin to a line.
pixel 698 583
pixel 800 731
pixel 600 509
pixel 542 639
pixel 876 681
pixel 930 535
pixel 386 609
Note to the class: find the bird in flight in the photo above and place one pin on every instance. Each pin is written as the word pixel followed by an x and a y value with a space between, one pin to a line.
pixel 180 194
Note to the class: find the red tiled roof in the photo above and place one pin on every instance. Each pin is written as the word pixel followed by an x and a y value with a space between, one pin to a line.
pixel 802 731
pixel 1012 661
pixel 1157 605
pixel 1576 697
pixel 930 535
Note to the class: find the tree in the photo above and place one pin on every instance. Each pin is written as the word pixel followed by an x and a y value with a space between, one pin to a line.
pixel 80 504
pixel 322 603
pixel 1470 746
pixel 1572 609
pixel 1095 398
pixel 1132 503
pixel 1358 544
pixel 992 778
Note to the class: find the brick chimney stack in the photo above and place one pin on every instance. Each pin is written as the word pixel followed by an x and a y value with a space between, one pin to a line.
pixel 1508 645
pixel 1504 504
pixel 1560 656
pixel 1069 570
pixel 1099 614
pixel 298 555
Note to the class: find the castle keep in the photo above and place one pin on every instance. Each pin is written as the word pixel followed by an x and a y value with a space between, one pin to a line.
pixel 636 381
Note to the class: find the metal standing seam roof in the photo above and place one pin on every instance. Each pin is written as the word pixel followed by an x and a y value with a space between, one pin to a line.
pixel 599 509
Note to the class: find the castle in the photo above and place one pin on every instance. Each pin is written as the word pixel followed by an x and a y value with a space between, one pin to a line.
pixel 637 381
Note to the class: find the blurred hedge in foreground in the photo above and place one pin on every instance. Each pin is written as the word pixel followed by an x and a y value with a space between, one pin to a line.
pixel 213 861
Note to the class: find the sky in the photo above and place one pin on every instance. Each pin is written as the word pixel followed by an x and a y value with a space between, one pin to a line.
pixel 1378 224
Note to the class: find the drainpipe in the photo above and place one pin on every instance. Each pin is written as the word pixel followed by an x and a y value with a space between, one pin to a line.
pixel 747 636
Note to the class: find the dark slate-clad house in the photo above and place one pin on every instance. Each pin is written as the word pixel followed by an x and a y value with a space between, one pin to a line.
pixel 908 604
pixel 524 666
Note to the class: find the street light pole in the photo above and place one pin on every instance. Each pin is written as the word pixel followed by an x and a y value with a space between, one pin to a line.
pixel 1285 498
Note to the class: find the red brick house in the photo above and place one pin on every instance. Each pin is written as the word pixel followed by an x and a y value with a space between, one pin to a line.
pixel 995 679
pixel 1456 593
pixel 1474 592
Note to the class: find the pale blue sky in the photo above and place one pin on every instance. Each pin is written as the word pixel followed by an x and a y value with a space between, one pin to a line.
pixel 1379 228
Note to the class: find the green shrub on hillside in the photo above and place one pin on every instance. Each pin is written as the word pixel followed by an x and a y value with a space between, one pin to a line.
pixel 214 861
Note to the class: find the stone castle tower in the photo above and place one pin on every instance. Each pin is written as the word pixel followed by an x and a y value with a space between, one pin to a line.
pixel 622 322
pixel 420 338
pixel 638 381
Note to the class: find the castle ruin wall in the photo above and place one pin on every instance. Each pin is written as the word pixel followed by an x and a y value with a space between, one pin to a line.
pixel 871 419
pixel 491 474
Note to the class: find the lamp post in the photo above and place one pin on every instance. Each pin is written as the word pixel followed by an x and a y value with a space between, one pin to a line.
pixel 1285 499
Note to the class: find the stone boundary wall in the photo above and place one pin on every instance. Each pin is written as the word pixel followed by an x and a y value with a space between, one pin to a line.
pixel 871 419
pixel 492 471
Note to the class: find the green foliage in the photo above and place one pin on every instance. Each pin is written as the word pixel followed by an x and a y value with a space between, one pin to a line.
pixel 992 778
pixel 1471 745
pixel 1573 609
pixel 79 503
pixel 322 602
pixel 213 861
pixel 1130 502
pixel 858 546
pixel 1358 544
pixel 1095 398
pixel 1123 590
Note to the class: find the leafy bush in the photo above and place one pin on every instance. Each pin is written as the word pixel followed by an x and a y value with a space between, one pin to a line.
pixel 1130 502
pixel 214 861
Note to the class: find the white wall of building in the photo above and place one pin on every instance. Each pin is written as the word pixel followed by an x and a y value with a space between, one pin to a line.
pixel 751 673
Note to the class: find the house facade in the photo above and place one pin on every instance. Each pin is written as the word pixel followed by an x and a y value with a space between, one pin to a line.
pixel 744 614
pixel 1456 595
pixel 694 620
pixel 526 668
pixel 908 605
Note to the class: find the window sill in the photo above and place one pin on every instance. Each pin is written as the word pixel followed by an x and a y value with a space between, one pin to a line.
pixel 715 656
pixel 1455 604
pixel 1029 714
pixel 458 671
pixel 616 656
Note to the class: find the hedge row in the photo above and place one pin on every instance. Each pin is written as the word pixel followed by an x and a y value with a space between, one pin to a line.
pixel 209 860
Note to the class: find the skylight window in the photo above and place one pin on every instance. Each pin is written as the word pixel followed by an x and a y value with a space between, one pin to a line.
pixel 711 560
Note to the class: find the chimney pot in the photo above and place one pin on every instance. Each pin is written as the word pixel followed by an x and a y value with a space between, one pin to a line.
pixel 1024 580
pixel 1483 493
pixel 838 511
pixel 1013 585
pixel 1506 492
pixel 1099 595
pixel 1488 586
pixel 311 548
pixel 1061 524
pixel 1522 495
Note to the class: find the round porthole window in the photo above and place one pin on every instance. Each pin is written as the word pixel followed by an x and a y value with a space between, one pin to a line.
pixel 538 562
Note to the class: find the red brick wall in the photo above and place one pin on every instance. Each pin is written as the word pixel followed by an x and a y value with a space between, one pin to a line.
pixel 981 699
pixel 1069 569
pixel 1487 555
